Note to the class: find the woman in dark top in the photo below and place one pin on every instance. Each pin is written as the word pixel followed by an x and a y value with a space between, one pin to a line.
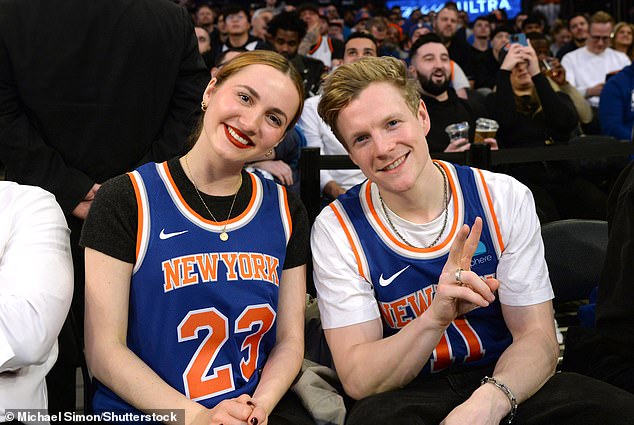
pixel 195 269
pixel 530 113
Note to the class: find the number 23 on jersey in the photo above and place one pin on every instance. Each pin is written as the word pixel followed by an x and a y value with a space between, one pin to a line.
pixel 199 383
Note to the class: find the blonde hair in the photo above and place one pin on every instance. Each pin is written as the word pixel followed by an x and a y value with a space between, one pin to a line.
pixel 601 17
pixel 255 57
pixel 348 81
pixel 268 58
pixel 630 49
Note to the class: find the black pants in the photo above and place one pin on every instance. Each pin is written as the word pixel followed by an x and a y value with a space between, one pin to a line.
pixel 290 411
pixel 588 353
pixel 567 398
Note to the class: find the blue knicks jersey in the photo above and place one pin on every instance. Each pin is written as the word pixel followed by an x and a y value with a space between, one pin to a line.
pixel 203 312
pixel 404 278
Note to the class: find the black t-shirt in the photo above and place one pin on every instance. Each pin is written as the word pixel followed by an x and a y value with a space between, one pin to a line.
pixel 441 114
pixel 485 70
pixel 111 225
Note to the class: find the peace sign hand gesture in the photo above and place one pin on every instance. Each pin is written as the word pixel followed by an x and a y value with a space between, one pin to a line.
pixel 460 290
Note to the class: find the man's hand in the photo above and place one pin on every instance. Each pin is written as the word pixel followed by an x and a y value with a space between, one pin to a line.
pixel 491 142
pixel 515 54
pixel 557 72
pixel 595 90
pixel 486 406
pixel 455 298
pixel 458 145
pixel 533 61
pixel 81 210
pixel 332 189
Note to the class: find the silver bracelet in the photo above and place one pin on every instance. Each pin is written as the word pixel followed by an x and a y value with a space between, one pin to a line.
pixel 507 391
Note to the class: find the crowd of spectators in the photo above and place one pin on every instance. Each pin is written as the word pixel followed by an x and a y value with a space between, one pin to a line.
pixel 544 79
pixel 574 57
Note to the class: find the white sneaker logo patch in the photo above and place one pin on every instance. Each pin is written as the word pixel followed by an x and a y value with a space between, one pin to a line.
pixel 164 235
pixel 386 282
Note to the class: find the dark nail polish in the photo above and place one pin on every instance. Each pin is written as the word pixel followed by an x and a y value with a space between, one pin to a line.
pixel 254 421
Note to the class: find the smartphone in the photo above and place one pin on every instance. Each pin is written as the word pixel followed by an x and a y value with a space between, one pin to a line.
pixel 519 38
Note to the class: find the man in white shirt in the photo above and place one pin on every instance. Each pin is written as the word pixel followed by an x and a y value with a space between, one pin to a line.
pixel 36 288
pixel 429 320
pixel 318 134
pixel 587 67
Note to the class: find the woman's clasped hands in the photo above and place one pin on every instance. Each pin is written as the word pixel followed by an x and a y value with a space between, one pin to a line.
pixel 235 411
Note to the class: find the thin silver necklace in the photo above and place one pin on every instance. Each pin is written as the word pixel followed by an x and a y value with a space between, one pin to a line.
pixel 224 236
pixel 445 212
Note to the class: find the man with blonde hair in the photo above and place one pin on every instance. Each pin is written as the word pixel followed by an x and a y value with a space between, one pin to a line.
pixel 588 66
pixel 432 285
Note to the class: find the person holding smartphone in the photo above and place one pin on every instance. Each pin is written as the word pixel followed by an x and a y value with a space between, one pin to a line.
pixel 531 114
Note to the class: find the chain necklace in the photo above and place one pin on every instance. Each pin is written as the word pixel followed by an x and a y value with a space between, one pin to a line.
pixel 445 212
pixel 224 236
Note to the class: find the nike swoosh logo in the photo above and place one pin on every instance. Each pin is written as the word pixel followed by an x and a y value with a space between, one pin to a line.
pixel 385 282
pixel 164 235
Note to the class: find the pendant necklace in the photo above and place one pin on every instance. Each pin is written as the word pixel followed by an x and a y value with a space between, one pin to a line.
pixel 445 213
pixel 224 236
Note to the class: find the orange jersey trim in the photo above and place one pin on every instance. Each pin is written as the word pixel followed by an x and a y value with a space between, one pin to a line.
pixel 288 211
pixel 454 224
pixel 198 216
pixel 498 234
pixel 350 239
pixel 139 206
pixel 316 46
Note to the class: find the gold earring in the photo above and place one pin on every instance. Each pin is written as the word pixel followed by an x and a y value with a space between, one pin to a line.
pixel 203 106
pixel 268 153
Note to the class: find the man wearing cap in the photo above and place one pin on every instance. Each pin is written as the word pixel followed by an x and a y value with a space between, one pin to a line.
pixel 315 44
pixel 417 31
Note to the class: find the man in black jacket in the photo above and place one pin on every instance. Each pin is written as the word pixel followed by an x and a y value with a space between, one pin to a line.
pixel 430 63
pixel 90 90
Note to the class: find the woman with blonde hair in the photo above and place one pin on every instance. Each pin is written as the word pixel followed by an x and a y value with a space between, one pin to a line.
pixel 195 268
pixel 622 38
